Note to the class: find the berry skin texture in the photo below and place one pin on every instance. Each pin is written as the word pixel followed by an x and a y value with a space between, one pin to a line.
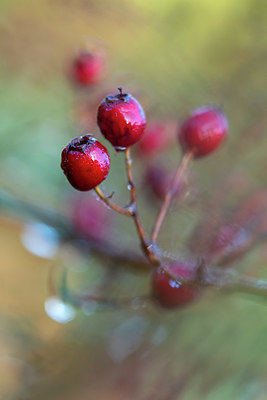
pixel 121 120
pixel 88 68
pixel 85 162
pixel 203 131
pixel 174 294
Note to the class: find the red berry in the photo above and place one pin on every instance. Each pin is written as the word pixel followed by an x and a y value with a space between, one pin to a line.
pixel 238 235
pixel 90 218
pixel 170 293
pixel 203 131
pixel 121 120
pixel 159 180
pixel 157 137
pixel 229 244
pixel 85 162
pixel 88 68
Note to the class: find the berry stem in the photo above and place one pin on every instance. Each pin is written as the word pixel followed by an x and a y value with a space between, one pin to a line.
pixel 147 247
pixel 227 280
pixel 80 299
pixel 125 211
pixel 168 197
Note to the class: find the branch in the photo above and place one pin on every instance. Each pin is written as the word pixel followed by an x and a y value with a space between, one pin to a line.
pixel 61 223
pixel 168 197
pixel 106 200
pixel 80 299
pixel 148 248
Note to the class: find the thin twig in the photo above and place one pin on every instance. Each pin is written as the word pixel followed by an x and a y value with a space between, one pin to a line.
pixel 80 299
pixel 227 280
pixel 138 301
pixel 147 247
pixel 26 211
pixel 168 197
pixel 125 211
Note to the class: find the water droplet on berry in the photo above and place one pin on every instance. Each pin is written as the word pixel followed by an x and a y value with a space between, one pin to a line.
pixel 118 148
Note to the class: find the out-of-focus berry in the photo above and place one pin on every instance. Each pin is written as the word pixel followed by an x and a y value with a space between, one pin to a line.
pixel 203 131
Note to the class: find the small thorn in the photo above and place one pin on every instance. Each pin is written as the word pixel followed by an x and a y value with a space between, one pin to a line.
pixel 110 195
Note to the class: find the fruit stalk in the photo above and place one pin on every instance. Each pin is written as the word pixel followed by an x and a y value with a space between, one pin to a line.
pixel 146 246
pixel 168 197
pixel 125 211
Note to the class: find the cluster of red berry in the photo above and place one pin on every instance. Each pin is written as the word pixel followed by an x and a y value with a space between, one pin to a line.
pixel 122 121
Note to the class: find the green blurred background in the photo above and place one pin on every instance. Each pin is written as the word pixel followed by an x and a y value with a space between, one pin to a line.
pixel 174 55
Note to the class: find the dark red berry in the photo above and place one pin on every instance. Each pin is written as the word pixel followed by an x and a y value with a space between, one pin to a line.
pixel 121 120
pixel 229 237
pixel 203 131
pixel 85 162
pixel 88 68
pixel 159 180
pixel 245 229
pixel 170 293
pixel 157 138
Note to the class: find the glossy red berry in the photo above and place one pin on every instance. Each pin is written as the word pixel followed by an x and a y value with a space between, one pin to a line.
pixel 88 68
pixel 85 162
pixel 121 120
pixel 170 293
pixel 203 131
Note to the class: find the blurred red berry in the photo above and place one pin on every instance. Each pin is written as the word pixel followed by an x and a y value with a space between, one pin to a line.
pixel 121 120
pixel 228 239
pixel 85 162
pixel 158 137
pixel 170 293
pixel 159 181
pixel 88 68
pixel 90 218
pixel 203 131
pixel 229 244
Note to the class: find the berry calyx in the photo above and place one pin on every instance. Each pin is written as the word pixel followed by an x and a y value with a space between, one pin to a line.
pixel 121 119
pixel 203 131
pixel 171 294
pixel 88 68
pixel 85 162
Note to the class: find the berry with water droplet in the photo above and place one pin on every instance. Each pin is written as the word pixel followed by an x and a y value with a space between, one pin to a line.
pixel 171 293
pixel 85 162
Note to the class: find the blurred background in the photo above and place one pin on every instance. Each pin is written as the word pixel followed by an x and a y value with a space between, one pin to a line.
pixel 173 56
